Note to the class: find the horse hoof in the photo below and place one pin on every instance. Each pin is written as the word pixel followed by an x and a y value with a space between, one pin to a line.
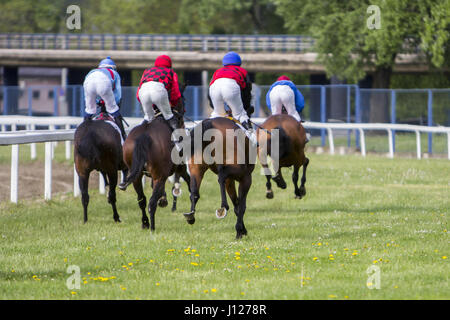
pixel 145 226
pixel 123 186
pixel 162 202
pixel 117 220
pixel 269 194
pixel 190 218
pixel 221 213
pixel 176 192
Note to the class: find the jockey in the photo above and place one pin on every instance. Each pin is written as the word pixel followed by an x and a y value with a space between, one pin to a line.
pixel 104 83
pixel 159 86
pixel 227 86
pixel 284 93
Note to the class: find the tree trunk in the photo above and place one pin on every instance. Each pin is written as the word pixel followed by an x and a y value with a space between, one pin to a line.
pixel 379 100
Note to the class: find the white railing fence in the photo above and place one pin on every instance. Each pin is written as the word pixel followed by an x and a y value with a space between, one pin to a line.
pixel 53 135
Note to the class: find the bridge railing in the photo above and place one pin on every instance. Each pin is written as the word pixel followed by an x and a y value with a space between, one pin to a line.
pixel 157 42
pixel 49 137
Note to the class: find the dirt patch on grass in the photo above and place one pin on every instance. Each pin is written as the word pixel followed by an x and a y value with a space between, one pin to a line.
pixel 31 180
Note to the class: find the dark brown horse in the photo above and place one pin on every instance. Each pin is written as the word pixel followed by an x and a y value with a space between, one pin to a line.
pixel 97 146
pixel 147 150
pixel 291 151
pixel 230 164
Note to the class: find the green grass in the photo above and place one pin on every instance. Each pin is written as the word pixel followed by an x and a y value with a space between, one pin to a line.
pixel 405 143
pixel 357 213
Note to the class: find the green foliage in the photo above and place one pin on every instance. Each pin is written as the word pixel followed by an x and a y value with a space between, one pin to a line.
pixel 348 48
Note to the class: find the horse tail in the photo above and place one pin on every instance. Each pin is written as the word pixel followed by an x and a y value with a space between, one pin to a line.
pixel 140 157
pixel 87 146
pixel 284 142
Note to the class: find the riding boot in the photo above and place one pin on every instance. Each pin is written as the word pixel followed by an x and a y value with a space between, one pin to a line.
pixel 250 133
pixel 173 123
pixel 119 122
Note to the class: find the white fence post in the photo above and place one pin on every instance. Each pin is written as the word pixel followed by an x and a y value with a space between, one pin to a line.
pixel 33 145
pixel 419 147
pixel 101 183
pixel 362 142
pixel 68 145
pixel 48 170
pixel 391 144
pixel 14 172
pixel 330 140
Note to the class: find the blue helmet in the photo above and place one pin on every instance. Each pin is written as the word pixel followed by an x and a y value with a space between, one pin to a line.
pixel 231 58
pixel 107 63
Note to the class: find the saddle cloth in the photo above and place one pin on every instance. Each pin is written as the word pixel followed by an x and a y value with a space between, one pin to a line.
pixel 109 120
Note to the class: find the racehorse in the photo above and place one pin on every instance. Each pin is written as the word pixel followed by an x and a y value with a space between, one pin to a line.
pixel 97 146
pixel 147 150
pixel 229 168
pixel 291 152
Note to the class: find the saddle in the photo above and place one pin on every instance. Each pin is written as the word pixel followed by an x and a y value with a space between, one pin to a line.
pixel 105 116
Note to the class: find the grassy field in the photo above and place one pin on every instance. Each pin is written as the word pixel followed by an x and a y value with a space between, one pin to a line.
pixel 358 213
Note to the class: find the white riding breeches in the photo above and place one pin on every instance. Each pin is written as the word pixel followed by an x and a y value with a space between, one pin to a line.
pixel 96 85
pixel 280 96
pixel 153 92
pixel 227 91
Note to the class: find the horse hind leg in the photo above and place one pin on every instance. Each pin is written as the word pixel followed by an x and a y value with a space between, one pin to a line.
pixel 302 190
pixel 112 177
pixel 279 180
pixel 269 191
pixel 83 182
pixel 195 180
pixel 142 201
pixel 295 182
pixel 244 187
pixel 224 207
pixel 158 191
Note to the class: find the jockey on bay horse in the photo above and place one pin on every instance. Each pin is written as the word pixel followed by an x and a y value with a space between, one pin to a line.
pixel 103 83
pixel 159 87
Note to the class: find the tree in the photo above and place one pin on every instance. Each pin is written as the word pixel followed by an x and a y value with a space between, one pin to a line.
pixel 349 49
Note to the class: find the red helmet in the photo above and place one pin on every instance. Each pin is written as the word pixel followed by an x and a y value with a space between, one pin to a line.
pixel 283 78
pixel 163 61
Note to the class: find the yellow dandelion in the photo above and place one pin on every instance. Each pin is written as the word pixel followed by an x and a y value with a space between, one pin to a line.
pixel 157 284
pixel 315 259
pixel 332 296
pixel 213 290
pixel 194 263
pixel 237 253
pixel 444 257
pixel 73 293
pixel 205 291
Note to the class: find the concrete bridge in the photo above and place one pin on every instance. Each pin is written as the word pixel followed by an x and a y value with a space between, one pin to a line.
pixel 268 53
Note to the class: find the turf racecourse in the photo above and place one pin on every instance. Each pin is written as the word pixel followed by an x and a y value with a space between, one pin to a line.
pixel 358 213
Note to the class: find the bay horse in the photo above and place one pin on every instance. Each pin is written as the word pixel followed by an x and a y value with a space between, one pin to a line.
pixel 229 169
pixel 147 150
pixel 292 140
pixel 98 146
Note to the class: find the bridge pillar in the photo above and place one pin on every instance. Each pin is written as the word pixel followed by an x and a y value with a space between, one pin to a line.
pixel 315 80
pixel 10 90
pixel 338 100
